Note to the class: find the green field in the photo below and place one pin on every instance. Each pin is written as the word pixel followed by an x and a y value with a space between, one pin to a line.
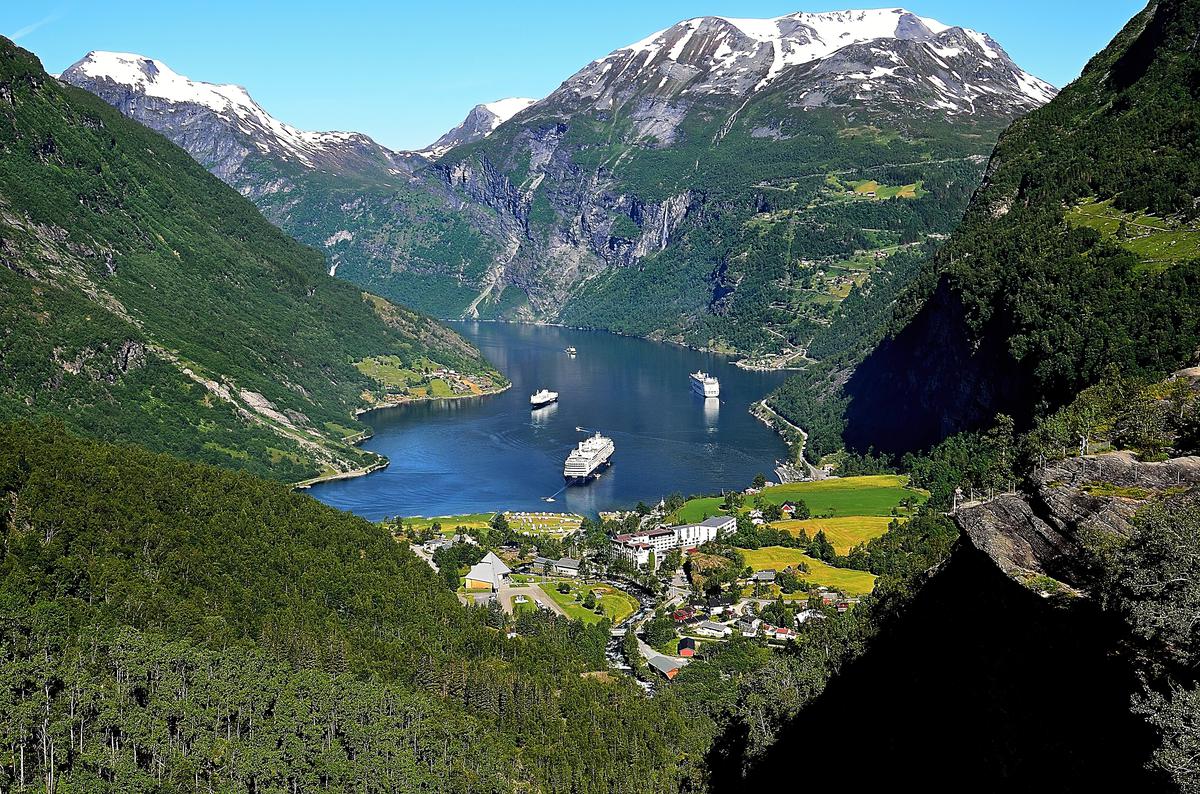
pixel 468 520
pixel 844 532
pixel 876 495
pixel 557 524
pixel 1154 240
pixel 870 188
pixel 617 604
pixel 779 557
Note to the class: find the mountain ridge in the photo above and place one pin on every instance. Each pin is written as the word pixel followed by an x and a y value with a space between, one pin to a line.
pixel 145 300
pixel 586 205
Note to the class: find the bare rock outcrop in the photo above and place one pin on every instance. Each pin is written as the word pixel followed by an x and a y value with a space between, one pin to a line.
pixel 1074 504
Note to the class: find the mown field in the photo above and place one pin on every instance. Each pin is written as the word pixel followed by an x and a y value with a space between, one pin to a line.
pixel 876 495
pixel 617 604
pixel 557 524
pixel 777 558
pixel 844 532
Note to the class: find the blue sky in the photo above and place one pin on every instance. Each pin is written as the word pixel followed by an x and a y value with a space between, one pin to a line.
pixel 405 72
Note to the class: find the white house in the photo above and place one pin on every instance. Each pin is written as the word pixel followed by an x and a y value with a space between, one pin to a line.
pixel 636 546
pixel 566 567
pixel 710 629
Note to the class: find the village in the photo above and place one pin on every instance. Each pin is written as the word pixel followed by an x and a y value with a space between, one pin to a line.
pixel 757 565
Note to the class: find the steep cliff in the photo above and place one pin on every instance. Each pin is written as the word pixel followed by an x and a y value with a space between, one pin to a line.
pixel 1080 252
pixel 1010 668
pixel 724 182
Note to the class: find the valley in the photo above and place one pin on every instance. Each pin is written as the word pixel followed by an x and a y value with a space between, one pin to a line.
pixel 872 458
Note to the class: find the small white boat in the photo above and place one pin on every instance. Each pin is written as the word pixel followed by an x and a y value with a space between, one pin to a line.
pixel 543 398
pixel 571 351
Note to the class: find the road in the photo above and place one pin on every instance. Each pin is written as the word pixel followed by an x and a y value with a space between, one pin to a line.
pixel 532 592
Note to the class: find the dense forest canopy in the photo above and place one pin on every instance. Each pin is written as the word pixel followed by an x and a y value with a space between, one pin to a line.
pixel 1078 253
pixel 174 624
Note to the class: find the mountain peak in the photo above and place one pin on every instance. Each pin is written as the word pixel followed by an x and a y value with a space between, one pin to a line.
pixel 481 122
pixel 859 56
pixel 154 78
pixel 129 80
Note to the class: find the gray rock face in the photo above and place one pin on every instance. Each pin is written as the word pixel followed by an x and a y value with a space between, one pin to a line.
pixel 481 122
pixel 1075 501
pixel 556 200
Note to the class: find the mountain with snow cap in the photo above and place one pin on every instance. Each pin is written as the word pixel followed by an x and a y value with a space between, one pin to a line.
pixel 702 184
pixel 840 57
pixel 220 125
pixel 481 122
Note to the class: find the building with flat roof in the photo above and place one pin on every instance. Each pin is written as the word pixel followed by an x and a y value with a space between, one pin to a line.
pixel 637 546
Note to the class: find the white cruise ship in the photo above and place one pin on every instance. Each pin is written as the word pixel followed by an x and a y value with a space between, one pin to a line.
pixel 587 458
pixel 705 385
pixel 544 397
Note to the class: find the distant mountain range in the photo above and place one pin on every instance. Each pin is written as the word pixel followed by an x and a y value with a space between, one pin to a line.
pixel 709 184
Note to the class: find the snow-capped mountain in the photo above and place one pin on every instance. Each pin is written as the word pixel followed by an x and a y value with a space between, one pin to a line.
pixel 681 186
pixel 220 125
pixel 481 122
pixel 828 59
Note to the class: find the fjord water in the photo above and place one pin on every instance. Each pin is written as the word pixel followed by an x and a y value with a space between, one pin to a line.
pixel 492 453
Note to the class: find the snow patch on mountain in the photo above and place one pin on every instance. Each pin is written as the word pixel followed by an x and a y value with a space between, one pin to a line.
pixel 725 51
pixel 481 122
pixel 505 109
pixel 153 78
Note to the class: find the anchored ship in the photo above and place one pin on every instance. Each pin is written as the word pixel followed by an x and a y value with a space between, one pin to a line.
pixel 705 385
pixel 589 457
pixel 544 397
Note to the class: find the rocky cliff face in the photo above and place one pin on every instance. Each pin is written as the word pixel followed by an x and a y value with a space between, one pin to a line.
pixel 1076 506
pixel 657 191
pixel 1002 670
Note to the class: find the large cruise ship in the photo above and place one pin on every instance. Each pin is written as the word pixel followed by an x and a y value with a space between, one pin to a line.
pixel 587 458
pixel 705 385
pixel 544 397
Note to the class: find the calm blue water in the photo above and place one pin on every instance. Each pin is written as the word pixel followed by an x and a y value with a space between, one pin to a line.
pixel 493 453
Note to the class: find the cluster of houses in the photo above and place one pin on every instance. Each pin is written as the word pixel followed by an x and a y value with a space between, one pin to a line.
pixel 638 547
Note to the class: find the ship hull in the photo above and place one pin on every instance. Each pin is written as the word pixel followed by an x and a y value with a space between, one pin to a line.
pixel 542 403
pixel 581 479
pixel 705 390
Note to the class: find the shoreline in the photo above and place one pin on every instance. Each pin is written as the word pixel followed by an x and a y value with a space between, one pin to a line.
pixel 741 363
pixel 383 462
pixel 362 471
pixel 764 413
pixel 358 412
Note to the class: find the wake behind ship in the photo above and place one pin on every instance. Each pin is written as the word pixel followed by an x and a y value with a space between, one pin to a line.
pixel 589 457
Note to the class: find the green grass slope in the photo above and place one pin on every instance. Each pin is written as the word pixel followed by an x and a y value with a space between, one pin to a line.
pixel 144 300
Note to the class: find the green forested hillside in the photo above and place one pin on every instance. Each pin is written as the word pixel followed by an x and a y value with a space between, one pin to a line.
pixel 1078 254
pixel 169 625
pixel 144 300
pixel 773 244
